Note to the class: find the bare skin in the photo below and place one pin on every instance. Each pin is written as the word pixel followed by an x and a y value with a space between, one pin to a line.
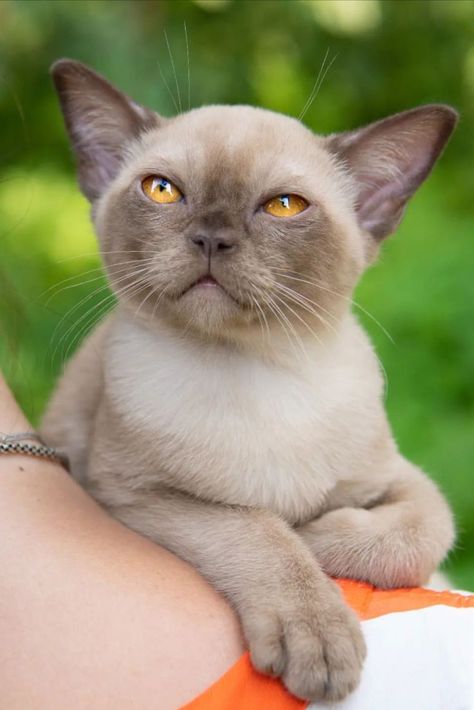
pixel 88 609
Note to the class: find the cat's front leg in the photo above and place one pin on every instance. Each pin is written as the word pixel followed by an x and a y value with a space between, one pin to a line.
pixel 398 542
pixel 294 619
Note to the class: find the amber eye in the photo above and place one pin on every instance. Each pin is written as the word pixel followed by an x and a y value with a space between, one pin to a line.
pixel 285 205
pixel 161 190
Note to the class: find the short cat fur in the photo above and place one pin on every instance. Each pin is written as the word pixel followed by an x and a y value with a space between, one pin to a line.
pixel 242 426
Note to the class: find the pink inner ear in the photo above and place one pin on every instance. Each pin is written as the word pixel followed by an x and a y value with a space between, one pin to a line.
pixel 390 159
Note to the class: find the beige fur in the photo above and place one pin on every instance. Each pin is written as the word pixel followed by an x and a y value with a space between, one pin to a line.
pixel 242 427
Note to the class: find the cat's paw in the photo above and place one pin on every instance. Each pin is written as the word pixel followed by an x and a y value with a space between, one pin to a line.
pixel 315 645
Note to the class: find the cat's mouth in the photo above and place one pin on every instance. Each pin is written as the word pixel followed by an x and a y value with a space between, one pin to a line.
pixel 209 295
pixel 207 281
pixel 207 284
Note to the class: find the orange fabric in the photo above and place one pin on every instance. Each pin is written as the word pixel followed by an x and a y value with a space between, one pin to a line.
pixel 242 688
pixel 370 602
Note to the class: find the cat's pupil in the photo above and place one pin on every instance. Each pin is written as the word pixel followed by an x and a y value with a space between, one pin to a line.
pixel 164 185
pixel 285 201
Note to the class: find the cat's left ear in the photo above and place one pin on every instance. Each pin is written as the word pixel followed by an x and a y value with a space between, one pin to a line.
pixel 101 122
pixel 390 159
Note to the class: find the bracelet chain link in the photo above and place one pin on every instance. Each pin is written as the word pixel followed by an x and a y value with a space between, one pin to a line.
pixel 14 444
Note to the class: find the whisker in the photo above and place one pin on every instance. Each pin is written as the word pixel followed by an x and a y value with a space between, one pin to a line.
pixel 129 289
pixel 265 321
pixel 95 291
pixel 340 295
pixel 88 297
pixel 158 301
pixel 304 302
pixel 163 78
pixel 321 69
pixel 259 317
pixel 351 301
pixel 308 310
pixel 289 329
pixel 253 304
pixel 67 280
pixel 90 322
pixel 318 85
pixel 66 316
pixel 124 266
pixel 147 296
pixel 188 65
pixel 302 320
pixel 63 339
pixel 174 71
pixel 275 314
pixel 98 254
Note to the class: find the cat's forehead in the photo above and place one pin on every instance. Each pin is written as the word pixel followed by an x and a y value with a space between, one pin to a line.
pixel 234 125
pixel 237 141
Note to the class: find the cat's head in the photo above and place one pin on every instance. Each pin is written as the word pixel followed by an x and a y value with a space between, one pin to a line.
pixel 232 220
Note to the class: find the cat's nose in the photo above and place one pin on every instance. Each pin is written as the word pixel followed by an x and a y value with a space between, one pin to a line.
pixel 211 244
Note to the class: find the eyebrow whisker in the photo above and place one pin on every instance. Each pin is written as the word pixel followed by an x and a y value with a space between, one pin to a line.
pixel 188 64
pixel 174 72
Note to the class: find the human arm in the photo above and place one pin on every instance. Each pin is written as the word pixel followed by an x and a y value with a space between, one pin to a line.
pixel 90 611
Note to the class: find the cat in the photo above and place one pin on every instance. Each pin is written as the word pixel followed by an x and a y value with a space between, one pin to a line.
pixel 230 407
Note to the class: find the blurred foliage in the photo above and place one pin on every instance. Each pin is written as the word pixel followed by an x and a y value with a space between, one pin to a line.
pixel 388 56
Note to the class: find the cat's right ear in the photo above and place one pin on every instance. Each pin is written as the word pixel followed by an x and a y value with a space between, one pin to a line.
pixel 100 120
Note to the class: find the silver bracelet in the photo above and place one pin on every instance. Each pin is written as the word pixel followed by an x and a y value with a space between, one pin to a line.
pixel 14 444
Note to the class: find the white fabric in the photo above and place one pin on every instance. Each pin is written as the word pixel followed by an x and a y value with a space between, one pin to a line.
pixel 417 660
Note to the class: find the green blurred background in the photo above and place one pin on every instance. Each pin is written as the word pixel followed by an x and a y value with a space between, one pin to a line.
pixel 388 56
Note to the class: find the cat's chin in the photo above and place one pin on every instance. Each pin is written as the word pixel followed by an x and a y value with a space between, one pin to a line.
pixel 209 309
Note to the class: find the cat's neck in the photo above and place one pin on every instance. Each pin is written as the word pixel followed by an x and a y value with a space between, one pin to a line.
pixel 276 343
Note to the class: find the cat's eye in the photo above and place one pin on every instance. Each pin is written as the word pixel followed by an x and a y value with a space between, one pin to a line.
pixel 160 189
pixel 285 205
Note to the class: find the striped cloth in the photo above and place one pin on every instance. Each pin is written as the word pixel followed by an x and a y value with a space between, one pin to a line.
pixel 420 657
